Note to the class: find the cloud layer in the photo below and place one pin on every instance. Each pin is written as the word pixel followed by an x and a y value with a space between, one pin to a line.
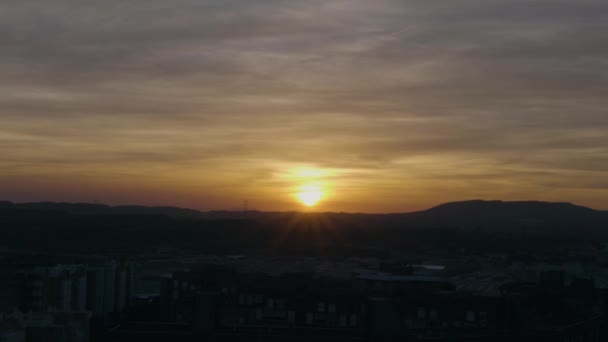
pixel 204 103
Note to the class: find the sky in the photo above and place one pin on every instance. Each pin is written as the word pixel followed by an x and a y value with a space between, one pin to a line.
pixel 382 106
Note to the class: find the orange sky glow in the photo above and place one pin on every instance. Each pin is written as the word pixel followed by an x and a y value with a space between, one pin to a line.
pixel 357 106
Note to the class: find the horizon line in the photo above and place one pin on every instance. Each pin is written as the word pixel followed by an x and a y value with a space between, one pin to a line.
pixel 295 211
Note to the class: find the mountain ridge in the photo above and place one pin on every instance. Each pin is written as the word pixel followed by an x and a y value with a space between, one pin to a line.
pixel 96 208
pixel 494 216
pixel 467 224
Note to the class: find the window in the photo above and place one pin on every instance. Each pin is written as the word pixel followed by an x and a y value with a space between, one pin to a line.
pixel 470 316
pixel 309 318
pixel 483 318
pixel 421 313
pixel 291 316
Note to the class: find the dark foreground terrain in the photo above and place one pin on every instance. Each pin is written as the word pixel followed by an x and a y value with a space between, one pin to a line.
pixel 466 271
pixel 474 225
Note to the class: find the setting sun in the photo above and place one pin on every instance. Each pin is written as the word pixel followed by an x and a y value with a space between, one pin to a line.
pixel 310 194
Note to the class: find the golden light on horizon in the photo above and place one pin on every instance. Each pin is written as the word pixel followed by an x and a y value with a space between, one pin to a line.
pixel 309 184
pixel 310 194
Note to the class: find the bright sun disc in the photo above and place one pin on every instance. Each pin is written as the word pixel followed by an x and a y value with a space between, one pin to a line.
pixel 310 195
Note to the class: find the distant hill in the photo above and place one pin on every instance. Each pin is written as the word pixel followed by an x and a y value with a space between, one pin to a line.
pixel 540 217
pixel 489 225
pixel 102 209
pixel 474 214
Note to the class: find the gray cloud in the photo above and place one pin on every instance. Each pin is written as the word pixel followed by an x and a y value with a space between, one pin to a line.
pixel 512 90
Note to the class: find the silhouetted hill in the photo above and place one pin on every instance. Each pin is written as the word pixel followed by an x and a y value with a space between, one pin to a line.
pixel 518 209
pixel 532 216
pixel 102 209
pixel 474 225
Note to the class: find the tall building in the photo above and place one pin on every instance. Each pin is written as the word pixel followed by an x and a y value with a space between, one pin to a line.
pixel 101 289
pixel 96 290
pixel 121 289
pixel 109 303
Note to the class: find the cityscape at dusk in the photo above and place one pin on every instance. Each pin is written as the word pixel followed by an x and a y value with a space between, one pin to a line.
pixel 303 170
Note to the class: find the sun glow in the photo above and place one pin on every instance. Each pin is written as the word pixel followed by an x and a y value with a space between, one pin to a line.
pixel 310 194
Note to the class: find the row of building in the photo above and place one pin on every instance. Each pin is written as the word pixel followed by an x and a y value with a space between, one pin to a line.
pixel 62 302
pixel 223 305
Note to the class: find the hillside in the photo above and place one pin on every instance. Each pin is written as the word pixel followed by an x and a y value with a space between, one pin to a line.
pixel 130 229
